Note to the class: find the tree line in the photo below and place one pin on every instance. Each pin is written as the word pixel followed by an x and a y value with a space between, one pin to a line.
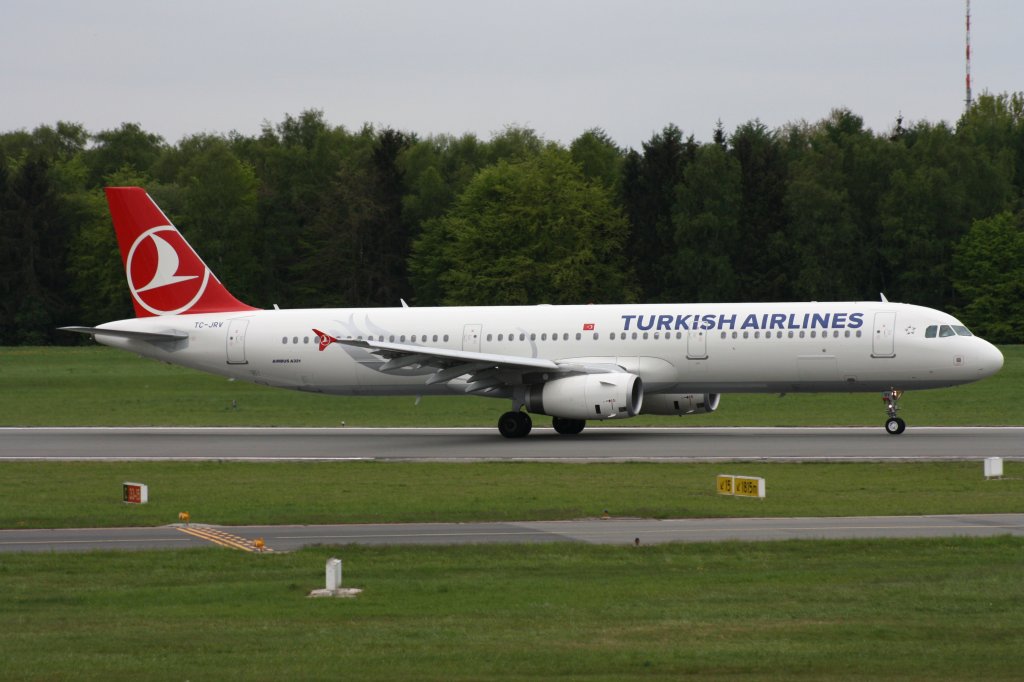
pixel 306 214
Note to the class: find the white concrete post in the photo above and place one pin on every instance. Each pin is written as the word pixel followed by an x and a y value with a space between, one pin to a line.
pixel 333 573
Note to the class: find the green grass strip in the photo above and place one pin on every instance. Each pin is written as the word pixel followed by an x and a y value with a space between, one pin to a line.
pixel 88 494
pixel 97 386
pixel 939 609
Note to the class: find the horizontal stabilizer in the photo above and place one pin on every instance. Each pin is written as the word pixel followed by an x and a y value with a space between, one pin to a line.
pixel 170 335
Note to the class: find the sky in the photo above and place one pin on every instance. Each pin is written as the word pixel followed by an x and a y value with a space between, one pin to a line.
pixel 457 66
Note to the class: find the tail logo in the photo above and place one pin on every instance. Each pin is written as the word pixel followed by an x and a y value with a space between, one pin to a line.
pixel 165 275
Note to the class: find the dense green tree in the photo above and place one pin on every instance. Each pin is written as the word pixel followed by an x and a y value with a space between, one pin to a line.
pixel 33 256
pixel 988 272
pixel 764 263
pixel 706 223
pixel 218 213
pixel 933 197
pixel 648 193
pixel 534 231
pixel 598 157
pixel 128 145
pixel 356 249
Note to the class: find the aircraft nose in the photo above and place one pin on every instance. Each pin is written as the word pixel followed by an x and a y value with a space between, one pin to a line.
pixel 991 359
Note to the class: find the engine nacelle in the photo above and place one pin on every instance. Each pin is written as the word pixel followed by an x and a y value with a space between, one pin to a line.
pixel 616 395
pixel 681 403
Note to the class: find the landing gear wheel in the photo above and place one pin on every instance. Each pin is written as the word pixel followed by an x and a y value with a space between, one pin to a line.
pixel 895 426
pixel 568 427
pixel 515 424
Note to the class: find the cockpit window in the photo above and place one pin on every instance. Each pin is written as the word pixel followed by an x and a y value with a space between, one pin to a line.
pixel 945 330
pixel 929 333
pixel 962 330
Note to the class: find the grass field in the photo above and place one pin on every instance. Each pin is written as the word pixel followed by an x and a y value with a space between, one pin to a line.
pixel 97 386
pixel 88 494
pixel 904 610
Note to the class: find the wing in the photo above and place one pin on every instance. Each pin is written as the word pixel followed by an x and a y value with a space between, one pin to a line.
pixel 486 373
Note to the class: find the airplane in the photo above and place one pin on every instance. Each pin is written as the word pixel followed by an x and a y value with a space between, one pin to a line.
pixel 573 363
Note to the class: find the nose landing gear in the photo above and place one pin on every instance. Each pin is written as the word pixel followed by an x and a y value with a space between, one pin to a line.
pixel 894 426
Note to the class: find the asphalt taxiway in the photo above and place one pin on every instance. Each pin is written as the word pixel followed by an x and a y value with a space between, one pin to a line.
pixel 594 531
pixel 444 444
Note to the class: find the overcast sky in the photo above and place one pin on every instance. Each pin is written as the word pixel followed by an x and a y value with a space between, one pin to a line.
pixel 454 66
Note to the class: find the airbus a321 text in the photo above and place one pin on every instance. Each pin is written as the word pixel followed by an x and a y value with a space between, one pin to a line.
pixel 574 363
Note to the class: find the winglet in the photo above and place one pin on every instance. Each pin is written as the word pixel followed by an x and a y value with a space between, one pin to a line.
pixel 325 339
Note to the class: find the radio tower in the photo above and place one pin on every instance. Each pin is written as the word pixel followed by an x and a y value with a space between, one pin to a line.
pixel 967 98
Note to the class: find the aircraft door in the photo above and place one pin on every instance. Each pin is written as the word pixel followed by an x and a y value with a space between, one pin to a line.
pixel 883 338
pixel 471 337
pixel 697 344
pixel 236 341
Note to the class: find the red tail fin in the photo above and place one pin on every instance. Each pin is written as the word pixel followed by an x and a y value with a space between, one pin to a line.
pixel 165 275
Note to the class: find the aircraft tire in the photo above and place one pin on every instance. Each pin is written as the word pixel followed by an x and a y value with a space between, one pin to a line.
pixel 895 426
pixel 514 424
pixel 568 427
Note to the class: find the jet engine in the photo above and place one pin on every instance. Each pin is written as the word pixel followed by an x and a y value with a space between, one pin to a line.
pixel 588 396
pixel 681 403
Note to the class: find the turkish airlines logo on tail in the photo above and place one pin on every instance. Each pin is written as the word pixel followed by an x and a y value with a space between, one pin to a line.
pixel 165 275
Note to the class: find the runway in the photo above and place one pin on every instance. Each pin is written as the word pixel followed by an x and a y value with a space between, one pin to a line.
pixel 613 444
pixel 592 531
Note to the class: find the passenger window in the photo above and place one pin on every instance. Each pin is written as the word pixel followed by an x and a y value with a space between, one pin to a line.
pixel 945 330
pixel 634 336
pixel 734 335
pixel 746 335
pixel 284 339
pixel 757 335
pixel 544 337
pixel 533 337
pixel 565 336
pixel 488 337
pixel 645 335
pixel 446 338
pixel 595 336
pixel 295 339
pixel 522 337
pixel 929 333
pixel 802 333
pixel 578 336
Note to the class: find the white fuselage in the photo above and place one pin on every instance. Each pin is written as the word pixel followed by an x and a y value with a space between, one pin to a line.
pixel 674 348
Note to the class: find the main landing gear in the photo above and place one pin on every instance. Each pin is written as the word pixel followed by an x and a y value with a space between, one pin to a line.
pixel 894 426
pixel 568 427
pixel 517 424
